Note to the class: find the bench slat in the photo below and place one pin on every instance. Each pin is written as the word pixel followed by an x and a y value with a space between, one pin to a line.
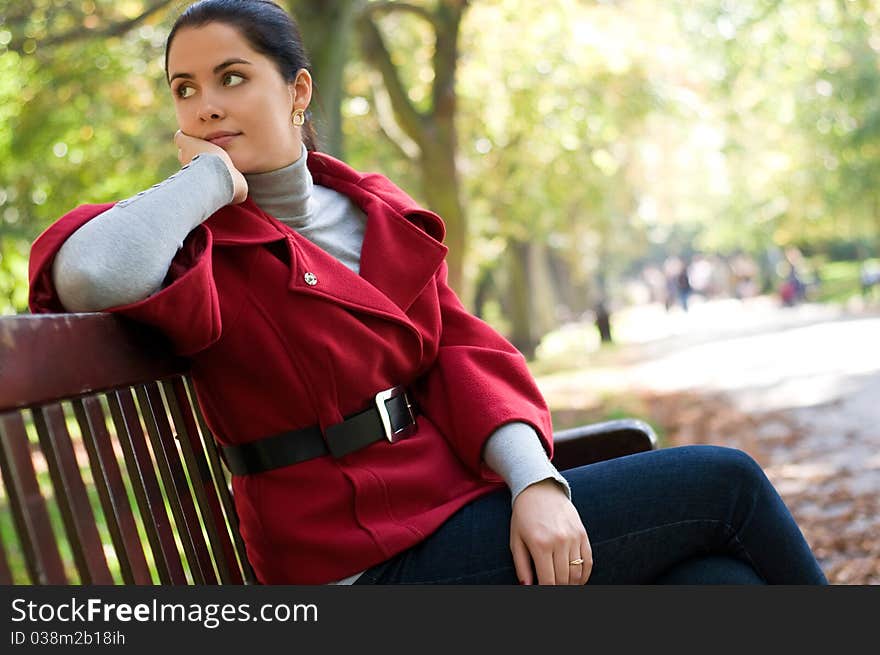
pixel 70 492
pixel 5 572
pixel 151 504
pixel 112 492
pixel 34 529
pixel 220 477
pixel 202 481
pixel 175 483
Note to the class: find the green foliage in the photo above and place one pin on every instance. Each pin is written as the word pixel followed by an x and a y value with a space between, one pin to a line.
pixel 839 282
pixel 801 122
pixel 550 133
pixel 84 121
pixel 608 132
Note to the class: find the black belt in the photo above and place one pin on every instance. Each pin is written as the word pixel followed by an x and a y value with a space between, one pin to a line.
pixel 391 417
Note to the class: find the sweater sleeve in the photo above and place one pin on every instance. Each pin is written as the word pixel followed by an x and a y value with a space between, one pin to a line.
pixel 124 254
pixel 514 452
pixel 184 304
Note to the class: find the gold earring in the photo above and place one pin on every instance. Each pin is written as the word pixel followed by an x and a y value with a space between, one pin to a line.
pixel 299 117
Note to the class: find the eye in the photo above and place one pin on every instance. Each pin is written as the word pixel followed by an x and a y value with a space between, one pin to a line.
pixel 183 91
pixel 232 79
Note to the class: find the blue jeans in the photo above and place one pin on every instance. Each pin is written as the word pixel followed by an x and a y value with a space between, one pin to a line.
pixel 685 515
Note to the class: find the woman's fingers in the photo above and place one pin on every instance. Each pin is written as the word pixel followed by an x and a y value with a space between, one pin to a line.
pixel 577 570
pixel 544 566
pixel 587 554
pixel 563 569
pixel 522 562
pixel 189 146
pixel 552 563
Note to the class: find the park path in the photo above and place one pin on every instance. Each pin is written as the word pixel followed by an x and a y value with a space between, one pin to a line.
pixel 798 388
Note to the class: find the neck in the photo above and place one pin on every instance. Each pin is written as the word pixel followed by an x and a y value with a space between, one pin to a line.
pixel 285 192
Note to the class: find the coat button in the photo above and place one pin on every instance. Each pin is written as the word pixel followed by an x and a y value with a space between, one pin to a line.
pixel 311 279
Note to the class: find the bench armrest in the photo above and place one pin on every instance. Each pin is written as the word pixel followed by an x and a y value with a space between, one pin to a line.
pixel 596 442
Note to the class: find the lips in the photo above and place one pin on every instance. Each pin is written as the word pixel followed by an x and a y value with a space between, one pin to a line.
pixel 221 138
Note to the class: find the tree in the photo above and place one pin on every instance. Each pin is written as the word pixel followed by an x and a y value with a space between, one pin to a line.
pixel 802 125
pixel 426 136
pixel 47 25
pixel 551 123
pixel 79 89
pixel 327 28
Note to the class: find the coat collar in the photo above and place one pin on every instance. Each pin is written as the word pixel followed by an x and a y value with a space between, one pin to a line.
pixel 402 246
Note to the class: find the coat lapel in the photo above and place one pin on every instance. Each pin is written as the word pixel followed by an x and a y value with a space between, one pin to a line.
pixel 398 257
pixel 402 247
pixel 397 262
pixel 315 272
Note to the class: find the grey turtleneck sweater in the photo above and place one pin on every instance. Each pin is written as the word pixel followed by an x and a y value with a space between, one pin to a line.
pixel 123 255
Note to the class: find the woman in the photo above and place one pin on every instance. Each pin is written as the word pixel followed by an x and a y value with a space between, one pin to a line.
pixel 377 432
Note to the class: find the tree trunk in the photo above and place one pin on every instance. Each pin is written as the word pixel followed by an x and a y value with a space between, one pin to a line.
pixel 531 297
pixel 518 306
pixel 603 322
pixel 433 131
pixel 327 27
pixel 543 297
pixel 441 190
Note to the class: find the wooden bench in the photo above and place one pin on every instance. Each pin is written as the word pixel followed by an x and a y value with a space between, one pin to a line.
pixel 110 474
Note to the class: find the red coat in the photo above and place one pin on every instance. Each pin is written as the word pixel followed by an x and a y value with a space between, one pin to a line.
pixel 272 353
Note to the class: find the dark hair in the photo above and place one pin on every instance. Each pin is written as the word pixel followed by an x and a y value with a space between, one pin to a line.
pixel 269 30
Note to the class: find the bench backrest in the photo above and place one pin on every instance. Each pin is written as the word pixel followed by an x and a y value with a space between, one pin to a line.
pixel 103 451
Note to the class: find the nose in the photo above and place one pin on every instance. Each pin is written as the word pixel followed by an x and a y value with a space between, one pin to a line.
pixel 210 110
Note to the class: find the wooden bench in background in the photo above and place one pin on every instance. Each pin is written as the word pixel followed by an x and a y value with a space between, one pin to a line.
pixel 109 472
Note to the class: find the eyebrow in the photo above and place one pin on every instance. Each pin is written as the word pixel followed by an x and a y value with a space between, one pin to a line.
pixel 217 68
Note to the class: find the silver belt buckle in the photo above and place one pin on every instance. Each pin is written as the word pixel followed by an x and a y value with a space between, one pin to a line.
pixel 381 398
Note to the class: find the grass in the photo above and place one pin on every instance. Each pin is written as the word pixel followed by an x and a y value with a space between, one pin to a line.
pixel 839 281
pixel 610 407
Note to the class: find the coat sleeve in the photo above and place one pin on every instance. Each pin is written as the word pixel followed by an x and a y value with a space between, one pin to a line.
pixel 186 308
pixel 478 383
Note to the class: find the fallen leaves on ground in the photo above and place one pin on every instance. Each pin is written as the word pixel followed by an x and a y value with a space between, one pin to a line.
pixel 840 520
pixel 836 505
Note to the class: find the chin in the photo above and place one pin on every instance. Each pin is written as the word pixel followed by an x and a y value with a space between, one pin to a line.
pixel 244 165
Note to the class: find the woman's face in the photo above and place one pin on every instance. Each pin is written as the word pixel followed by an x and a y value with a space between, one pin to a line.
pixel 227 93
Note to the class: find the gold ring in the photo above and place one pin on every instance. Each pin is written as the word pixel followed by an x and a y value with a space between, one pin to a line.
pixel 576 562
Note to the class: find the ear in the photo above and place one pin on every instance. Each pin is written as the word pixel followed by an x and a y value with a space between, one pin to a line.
pixel 301 89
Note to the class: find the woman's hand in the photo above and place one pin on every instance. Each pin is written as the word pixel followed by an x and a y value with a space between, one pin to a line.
pixel 189 146
pixel 546 529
